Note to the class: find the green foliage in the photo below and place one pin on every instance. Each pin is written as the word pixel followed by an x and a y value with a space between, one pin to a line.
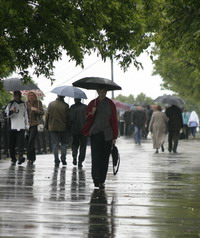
pixel 178 75
pixel 141 98
pixel 34 33
pixel 5 98
pixel 177 47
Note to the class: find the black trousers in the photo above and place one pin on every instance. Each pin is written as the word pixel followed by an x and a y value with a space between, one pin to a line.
pixel 31 143
pixel 79 145
pixel 173 138
pixel 16 139
pixel 100 150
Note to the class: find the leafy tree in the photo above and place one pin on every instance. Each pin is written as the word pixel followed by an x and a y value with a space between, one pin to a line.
pixel 141 98
pixel 177 47
pixel 178 76
pixel 34 33
pixel 179 29
pixel 4 99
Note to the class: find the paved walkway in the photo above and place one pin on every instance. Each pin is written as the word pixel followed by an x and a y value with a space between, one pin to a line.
pixel 152 196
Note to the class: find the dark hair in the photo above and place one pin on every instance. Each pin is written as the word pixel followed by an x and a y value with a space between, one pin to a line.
pixel 17 93
pixel 158 107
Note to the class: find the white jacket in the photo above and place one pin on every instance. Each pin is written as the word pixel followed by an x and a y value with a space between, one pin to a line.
pixel 18 120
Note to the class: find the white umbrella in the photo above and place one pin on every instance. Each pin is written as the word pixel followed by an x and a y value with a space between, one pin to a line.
pixel 69 91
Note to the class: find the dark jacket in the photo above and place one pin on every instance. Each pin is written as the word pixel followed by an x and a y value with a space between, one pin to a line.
pixel 77 117
pixel 139 118
pixel 174 114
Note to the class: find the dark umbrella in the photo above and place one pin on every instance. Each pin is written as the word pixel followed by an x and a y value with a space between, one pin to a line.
pixel 15 84
pixel 170 99
pixel 96 83
pixel 69 91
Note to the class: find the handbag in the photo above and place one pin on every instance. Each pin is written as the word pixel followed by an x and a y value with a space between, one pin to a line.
pixel 115 159
pixel 40 127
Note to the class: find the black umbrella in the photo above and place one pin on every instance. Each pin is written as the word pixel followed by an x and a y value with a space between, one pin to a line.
pixel 170 99
pixel 15 84
pixel 96 83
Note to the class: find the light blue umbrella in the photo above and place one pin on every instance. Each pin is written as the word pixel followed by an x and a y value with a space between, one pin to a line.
pixel 69 91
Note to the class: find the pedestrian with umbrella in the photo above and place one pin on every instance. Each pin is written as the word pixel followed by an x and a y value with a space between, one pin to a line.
pixel 175 123
pixel 58 119
pixel 101 125
pixel 57 123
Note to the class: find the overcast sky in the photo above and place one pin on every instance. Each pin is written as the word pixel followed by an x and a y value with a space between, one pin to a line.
pixel 132 82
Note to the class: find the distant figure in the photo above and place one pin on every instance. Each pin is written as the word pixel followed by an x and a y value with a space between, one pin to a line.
pixel 57 123
pixel 127 122
pixel 79 141
pixel 185 116
pixel 158 126
pixel 35 112
pixel 138 120
pixel 193 123
pixel 175 124
pixel 16 111
pixel 149 113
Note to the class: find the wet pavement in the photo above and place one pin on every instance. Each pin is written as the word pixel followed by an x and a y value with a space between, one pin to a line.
pixel 152 196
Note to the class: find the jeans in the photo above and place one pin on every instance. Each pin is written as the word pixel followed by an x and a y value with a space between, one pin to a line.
pixel 56 137
pixel 137 135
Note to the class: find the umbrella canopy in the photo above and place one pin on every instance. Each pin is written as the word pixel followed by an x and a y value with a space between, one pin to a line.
pixel 69 91
pixel 170 99
pixel 15 84
pixel 121 106
pixel 38 92
pixel 96 83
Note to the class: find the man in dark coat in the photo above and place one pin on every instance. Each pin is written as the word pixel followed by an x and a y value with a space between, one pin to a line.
pixel 175 124
pixel 79 141
pixel 138 120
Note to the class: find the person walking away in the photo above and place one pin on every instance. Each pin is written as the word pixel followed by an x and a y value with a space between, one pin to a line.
pixel 79 141
pixel 158 127
pixel 138 120
pixel 102 127
pixel 175 123
pixel 35 113
pixel 57 123
pixel 127 122
pixel 16 111
pixel 185 116
pixel 193 123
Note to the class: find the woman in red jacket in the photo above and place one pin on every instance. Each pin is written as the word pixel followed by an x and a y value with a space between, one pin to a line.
pixel 102 127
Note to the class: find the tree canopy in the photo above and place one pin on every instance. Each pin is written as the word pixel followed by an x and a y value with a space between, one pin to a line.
pixel 34 33
pixel 141 98
pixel 177 45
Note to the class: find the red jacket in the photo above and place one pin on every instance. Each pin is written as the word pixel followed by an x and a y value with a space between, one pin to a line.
pixel 90 118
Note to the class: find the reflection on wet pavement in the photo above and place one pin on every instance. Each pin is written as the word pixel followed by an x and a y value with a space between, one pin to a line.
pixel 153 196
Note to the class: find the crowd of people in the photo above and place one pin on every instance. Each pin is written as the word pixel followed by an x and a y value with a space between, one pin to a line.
pixel 171 122
pixel 97 122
